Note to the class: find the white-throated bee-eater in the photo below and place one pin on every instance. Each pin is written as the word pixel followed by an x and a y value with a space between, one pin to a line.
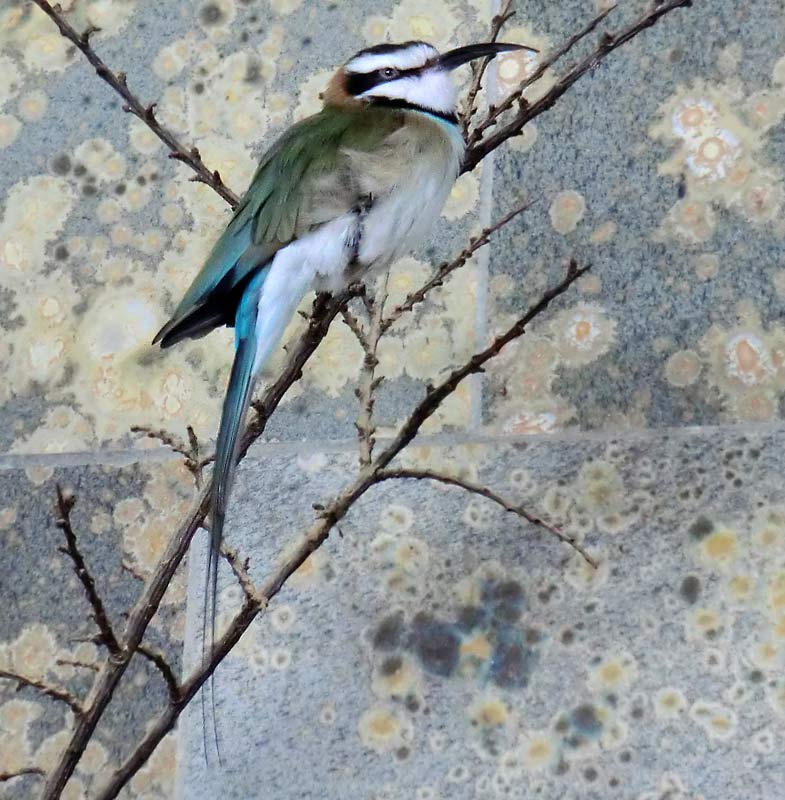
pixel 351 188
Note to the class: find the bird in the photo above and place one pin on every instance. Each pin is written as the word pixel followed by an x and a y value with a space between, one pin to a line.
pixel 341 193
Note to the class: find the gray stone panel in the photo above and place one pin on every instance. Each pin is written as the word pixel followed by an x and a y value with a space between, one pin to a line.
pixel 123 514
pixel 440 648
pixel 663 171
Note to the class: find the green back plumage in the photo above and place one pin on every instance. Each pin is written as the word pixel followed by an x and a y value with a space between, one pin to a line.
pixel 303 180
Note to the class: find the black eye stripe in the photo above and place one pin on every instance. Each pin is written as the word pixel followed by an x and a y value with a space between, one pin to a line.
pixel 358 83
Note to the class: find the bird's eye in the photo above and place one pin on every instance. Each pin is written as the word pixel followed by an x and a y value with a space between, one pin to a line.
pixel 389 72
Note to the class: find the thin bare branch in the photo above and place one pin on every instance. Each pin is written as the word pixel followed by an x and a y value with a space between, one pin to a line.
pixel 158 659
pixel 240 569
pixel 484 491
pixel 447 267
pixel 438 394
pixel 146 113
pixel 65 504
pixel 165 438
pixel 516 95
pixel 189 452
pixel 18 773
pixel 356 327
pixel 194 463
pixel 528 112
pixel 55 692
pixel 72 662
pixel 133 571
pixel 368 383
pixel 478 71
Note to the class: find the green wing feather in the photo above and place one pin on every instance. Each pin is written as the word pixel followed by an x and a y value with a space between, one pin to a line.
pixel 304 180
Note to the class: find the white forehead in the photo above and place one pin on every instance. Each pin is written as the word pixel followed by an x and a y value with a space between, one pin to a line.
pixel 410 57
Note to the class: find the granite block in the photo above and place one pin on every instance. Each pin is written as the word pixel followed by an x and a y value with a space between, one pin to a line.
pixel 437 647
pixel 102 233
pixel 122 514
pixel 661 169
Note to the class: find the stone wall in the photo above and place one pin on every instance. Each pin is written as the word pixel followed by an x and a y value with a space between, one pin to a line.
pixel 438 648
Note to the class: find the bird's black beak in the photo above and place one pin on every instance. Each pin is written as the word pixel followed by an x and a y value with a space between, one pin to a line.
pixel 454 58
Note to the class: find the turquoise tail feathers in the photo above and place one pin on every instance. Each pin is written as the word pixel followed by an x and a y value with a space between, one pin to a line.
pixel 238 396
pixel 268 301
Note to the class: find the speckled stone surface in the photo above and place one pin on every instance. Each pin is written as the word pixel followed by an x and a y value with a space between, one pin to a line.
pixel 438 648
pixel 664 172
pixel 85 288
pixel 122 515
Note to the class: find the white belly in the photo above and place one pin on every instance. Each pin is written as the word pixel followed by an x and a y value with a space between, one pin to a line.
pixel 398 223
pixel 403 216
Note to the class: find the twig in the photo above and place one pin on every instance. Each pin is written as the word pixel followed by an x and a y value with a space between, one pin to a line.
pixel 107 636
pixel 9 776
pixel 496 110
pixel 368 383
pixel 65 504
pixel 133 571
pixel 444 269
pixel 528 112
pixel 156 657
pixel 484 491
pixel 71 662
pixel 470 104
pixel 196 465
pixel 146 113
pixel 355 326
pixel 436 396
pixel 167 439
pixel 240 570
pixel 317 534
pixel 55 692
pixel 189 452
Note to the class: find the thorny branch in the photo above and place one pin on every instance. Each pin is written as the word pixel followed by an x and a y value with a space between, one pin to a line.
pixel 54 692
pixel 478 70
pixel 356 327
pixel 189 452
pixel 65 504
pixel 324 311
pixel 527 112
pixel 446 268
pixel 369 382
pixel 438 394
pixel 484 491
pixel 146 113
pixel 240 569
pixel 107 636
pixel 516 96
